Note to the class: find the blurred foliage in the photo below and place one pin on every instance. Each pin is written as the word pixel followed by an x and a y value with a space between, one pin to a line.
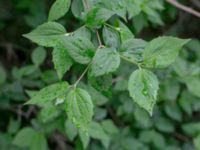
pixel 119 124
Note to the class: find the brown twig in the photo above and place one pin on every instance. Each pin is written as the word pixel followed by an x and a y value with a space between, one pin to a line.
pixel 184 8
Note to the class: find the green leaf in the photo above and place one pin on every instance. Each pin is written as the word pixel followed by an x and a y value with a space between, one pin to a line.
pixel 2 75
pixel 13 126
pixel 97 98
pixel 164 125
pixel 79 108
pixel 96 131
pixel 24 137
pixel 101 83
pixel 59 9
pixel 27 70
pixel 70 130
pixel 143 120
pixel 173 111
pixel 140 22
pixel 169 89
pixel 48 113
pixel 133 7
pixel 162 51
pixel 80 49
pixel 49 93
pixel 77 9
pixel 193 84
pixel 153 137
pixel 109 127
pixel 83 32
pixel 192 129
pixel 105 61
pixel 125 32
pixel 97 16
pixel 143 88
pixel 39 142
pixel 85 138
pixel 61 59
pixel 38 56
pixel 47 34
pixel 132 49
pixel 111 37
pixel 152 15
pixel 117 6
pixel 197 142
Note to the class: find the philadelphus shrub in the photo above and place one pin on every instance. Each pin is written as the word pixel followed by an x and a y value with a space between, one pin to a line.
pixel 101 45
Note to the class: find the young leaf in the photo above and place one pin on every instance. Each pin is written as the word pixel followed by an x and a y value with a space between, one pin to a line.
pixel 162 51
pixel 47 34
pixel 79 108
pixel 79 48
pixel 97 16
pixel 111 37
pixel 38 56
pixel 105 61
pixel 143 88
pixel 49 93
pixel 59 9
pixel 61 59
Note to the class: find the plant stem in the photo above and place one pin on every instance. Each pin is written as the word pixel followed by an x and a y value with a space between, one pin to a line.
pixel 82 75
pixel 99 39
pixel 184 8
pixel 87 8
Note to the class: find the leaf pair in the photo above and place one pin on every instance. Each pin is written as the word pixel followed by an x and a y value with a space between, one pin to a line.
pixel 79 105
pixel 159 53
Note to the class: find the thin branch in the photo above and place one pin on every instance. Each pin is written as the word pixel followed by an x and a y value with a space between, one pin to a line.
pixel 82 75
pixel 99 39
pixel 184 8
pixel 87 8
